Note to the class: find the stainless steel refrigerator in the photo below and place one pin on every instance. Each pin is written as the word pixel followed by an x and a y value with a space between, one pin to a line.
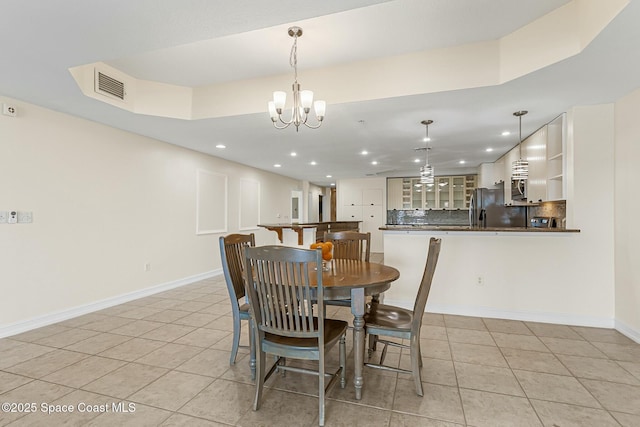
pixel 487 209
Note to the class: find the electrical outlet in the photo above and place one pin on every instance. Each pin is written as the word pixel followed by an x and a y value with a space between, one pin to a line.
pixel 25 217
pixel 13 217
pixel 9 110
pixel 3 217
pixel 480 281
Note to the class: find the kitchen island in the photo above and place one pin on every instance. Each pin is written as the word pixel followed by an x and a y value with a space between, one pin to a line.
pixel 308 232
pixel 545 275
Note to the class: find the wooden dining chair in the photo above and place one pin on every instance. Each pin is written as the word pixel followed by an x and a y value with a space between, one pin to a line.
pixel 396 322
pixel 232 254
pixel 281 299
pixel 348 245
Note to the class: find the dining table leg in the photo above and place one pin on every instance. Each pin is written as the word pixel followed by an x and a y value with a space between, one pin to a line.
pixel 358 309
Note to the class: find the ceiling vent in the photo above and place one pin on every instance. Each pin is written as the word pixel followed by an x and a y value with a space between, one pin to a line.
pixel 109 86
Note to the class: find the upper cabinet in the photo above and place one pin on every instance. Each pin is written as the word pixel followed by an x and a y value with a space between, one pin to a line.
pixel 372 196
pixel 534 150
pixel 351 196
pixel 544 150
pixel 556 159
pixel 545 153
pixel 448 192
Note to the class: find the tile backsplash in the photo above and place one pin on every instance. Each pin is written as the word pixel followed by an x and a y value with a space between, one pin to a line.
pixel 431 217
pixel 555 209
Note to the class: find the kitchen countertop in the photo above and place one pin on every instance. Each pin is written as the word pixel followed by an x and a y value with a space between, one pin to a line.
pixel 299 228
pixel 475 229
pixel 303 224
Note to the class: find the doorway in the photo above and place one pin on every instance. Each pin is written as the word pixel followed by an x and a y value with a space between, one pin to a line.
pixel 320 197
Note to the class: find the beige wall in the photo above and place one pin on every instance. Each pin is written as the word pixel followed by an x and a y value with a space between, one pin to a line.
pixel 627 212
pixel 105 202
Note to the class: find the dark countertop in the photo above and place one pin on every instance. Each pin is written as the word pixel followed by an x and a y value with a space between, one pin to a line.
pixel 299 227
pixel 302 224
pixel 475 229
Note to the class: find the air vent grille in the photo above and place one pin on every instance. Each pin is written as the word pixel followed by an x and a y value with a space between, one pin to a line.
pixel 110 86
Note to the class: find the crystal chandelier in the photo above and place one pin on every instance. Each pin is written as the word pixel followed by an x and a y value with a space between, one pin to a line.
pixel 426 171
pixel 520 167
pixel 302 99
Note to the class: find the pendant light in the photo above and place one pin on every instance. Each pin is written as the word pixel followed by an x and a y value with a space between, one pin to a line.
pixel 520 167
pixel 426 171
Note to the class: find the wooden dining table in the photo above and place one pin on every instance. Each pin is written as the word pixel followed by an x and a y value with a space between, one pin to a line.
pixel 355 280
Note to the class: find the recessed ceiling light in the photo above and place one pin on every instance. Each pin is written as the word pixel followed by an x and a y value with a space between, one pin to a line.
pixel 277 165
pixel 221 146
pixel 293 154
pixel 488 150
pixel 374 163
pixel 426 139
pixel 313 163
pixel 506 133
pixel 364 152
pixel 416 161
pixel 333 184
pixel 328 176
pixel 462 162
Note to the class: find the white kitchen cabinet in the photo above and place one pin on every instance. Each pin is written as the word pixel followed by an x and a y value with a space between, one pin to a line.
pixel 364 200
pixel 447 192
pixel 373 218
pixel 556 159
pixel 352 196
pixel 544 150
pixel 534 150
pixel 394 193
pixel 352 213
pixel 372 196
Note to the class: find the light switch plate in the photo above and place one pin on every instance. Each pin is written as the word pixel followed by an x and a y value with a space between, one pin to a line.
pixel 25 217
pixel 3 217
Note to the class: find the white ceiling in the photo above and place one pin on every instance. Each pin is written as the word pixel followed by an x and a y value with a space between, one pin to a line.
pixel 197 42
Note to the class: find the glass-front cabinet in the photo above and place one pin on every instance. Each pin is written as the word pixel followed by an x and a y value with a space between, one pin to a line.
pixel 447 192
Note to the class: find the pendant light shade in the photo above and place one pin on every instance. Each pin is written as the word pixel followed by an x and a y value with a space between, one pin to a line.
pixel 427 173
pixel 520 167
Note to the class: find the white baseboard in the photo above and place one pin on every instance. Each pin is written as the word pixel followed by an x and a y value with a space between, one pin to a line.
pixel 627 330
pixel 48 319
pixel 559 318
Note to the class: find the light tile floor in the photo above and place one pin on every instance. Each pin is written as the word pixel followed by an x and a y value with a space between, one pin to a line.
pixel 167 357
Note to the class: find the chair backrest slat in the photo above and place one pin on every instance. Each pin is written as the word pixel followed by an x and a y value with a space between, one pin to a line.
pixel 425 283
pixel 232 256
pixel 282 291
pixel 350 245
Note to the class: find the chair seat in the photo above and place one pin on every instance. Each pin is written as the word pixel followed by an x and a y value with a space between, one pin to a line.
pixel 333 330
pixel 340 302
pixel 383 316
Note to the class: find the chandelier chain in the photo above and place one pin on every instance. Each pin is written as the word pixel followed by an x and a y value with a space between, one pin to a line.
pixel 293 58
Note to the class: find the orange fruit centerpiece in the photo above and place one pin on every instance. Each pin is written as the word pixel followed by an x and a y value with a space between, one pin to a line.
pixel 326 249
